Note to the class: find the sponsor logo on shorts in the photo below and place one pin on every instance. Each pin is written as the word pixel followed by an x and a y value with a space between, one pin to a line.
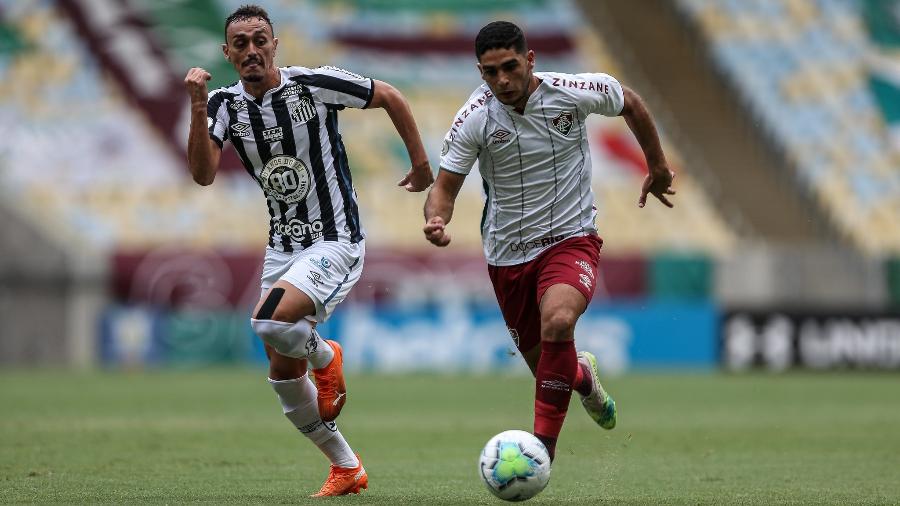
pixel 299 230
pixel 586 281
pixel 535 243
pixel 514 334
pixel 586 267
pixel 323 262
pixel 315 278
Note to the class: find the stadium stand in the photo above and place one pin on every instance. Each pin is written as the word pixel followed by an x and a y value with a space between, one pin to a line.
pixel 803 68
pixel 114 185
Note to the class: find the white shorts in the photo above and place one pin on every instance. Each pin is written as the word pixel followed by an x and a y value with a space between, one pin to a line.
pixel 326 271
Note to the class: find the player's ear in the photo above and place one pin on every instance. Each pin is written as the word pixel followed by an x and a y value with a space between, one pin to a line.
pixel 480 70
pixel 529 57
pixel 225 52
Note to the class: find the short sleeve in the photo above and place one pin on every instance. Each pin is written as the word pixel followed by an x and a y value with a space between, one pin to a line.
pixel 460 148
pixel 602 94
pixel 336 86
pixel 216 117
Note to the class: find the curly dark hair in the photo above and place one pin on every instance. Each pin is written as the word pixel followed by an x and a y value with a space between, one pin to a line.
pixel 500 35
pixel 246 12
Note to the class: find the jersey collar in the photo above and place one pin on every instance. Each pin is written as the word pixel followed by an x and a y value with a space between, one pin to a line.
pixel 282 74
pixel 532 99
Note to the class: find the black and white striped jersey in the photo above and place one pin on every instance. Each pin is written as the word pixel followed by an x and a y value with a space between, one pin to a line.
pixel 290 144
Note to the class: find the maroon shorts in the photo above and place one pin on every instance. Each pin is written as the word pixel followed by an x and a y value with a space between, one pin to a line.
pixel 519 288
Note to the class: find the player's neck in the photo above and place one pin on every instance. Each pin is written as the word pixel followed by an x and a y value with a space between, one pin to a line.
pixel 532 85
pixel 259 89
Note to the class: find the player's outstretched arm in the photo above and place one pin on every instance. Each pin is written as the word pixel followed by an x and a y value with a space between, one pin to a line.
pixel 419 177
pixel 203 154
pixel 659 178
pixel 439 206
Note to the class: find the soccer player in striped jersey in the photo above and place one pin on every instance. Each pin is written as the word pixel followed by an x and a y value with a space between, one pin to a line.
pixel 283 125
pixel 526 130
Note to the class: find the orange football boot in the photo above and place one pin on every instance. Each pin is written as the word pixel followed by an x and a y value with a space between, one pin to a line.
pixel 343 481
pixel 330 383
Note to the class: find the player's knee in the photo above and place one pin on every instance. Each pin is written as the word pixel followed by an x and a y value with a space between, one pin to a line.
pixel 269 331
pixel 558 325
pixel 288 339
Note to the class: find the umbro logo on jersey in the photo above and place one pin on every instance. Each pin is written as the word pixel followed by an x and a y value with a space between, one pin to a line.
pixel 240 129
pixel 500 136
pixel 273 134
pixel 563 122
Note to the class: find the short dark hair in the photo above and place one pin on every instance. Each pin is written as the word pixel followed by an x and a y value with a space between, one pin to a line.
pixel 246 12
pixel 500 35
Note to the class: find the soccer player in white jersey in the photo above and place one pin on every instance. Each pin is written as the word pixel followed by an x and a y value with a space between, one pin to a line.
pixel 526 130
pixel 283 124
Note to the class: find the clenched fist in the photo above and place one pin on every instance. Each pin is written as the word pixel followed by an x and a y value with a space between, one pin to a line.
pixel 195 82
pixel 435 232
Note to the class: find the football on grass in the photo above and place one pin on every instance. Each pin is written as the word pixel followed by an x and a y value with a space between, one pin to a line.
pixel 514 465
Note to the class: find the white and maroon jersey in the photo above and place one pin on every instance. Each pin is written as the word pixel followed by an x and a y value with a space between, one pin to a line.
pixel 536 166
pixel 289 143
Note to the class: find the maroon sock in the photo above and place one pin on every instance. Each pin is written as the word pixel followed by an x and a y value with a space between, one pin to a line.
pixel 556 372
pixel 583 381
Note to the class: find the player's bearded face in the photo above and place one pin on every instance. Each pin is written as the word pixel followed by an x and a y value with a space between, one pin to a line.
pixel 508 74
pixel 251 48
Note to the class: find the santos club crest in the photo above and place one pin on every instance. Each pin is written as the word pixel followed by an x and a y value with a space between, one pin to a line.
pixel 563 122
pixel 285 178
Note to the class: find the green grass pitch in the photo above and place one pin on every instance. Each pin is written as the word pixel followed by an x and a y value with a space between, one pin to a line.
pixel 218 437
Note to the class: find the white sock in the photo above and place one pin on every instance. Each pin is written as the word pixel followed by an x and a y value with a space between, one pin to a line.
pixel 320 353
pixel 298 401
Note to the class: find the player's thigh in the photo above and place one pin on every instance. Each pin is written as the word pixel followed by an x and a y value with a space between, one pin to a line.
pixel 326 272
pixel 566 281
pixel 280 300
pixel 514 287
pixel 284 302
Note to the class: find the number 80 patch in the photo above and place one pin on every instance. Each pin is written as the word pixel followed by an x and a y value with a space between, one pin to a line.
pixel 285 178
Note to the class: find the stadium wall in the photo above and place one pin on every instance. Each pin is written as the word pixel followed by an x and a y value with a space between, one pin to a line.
pixel 49 297
pixel 435 311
